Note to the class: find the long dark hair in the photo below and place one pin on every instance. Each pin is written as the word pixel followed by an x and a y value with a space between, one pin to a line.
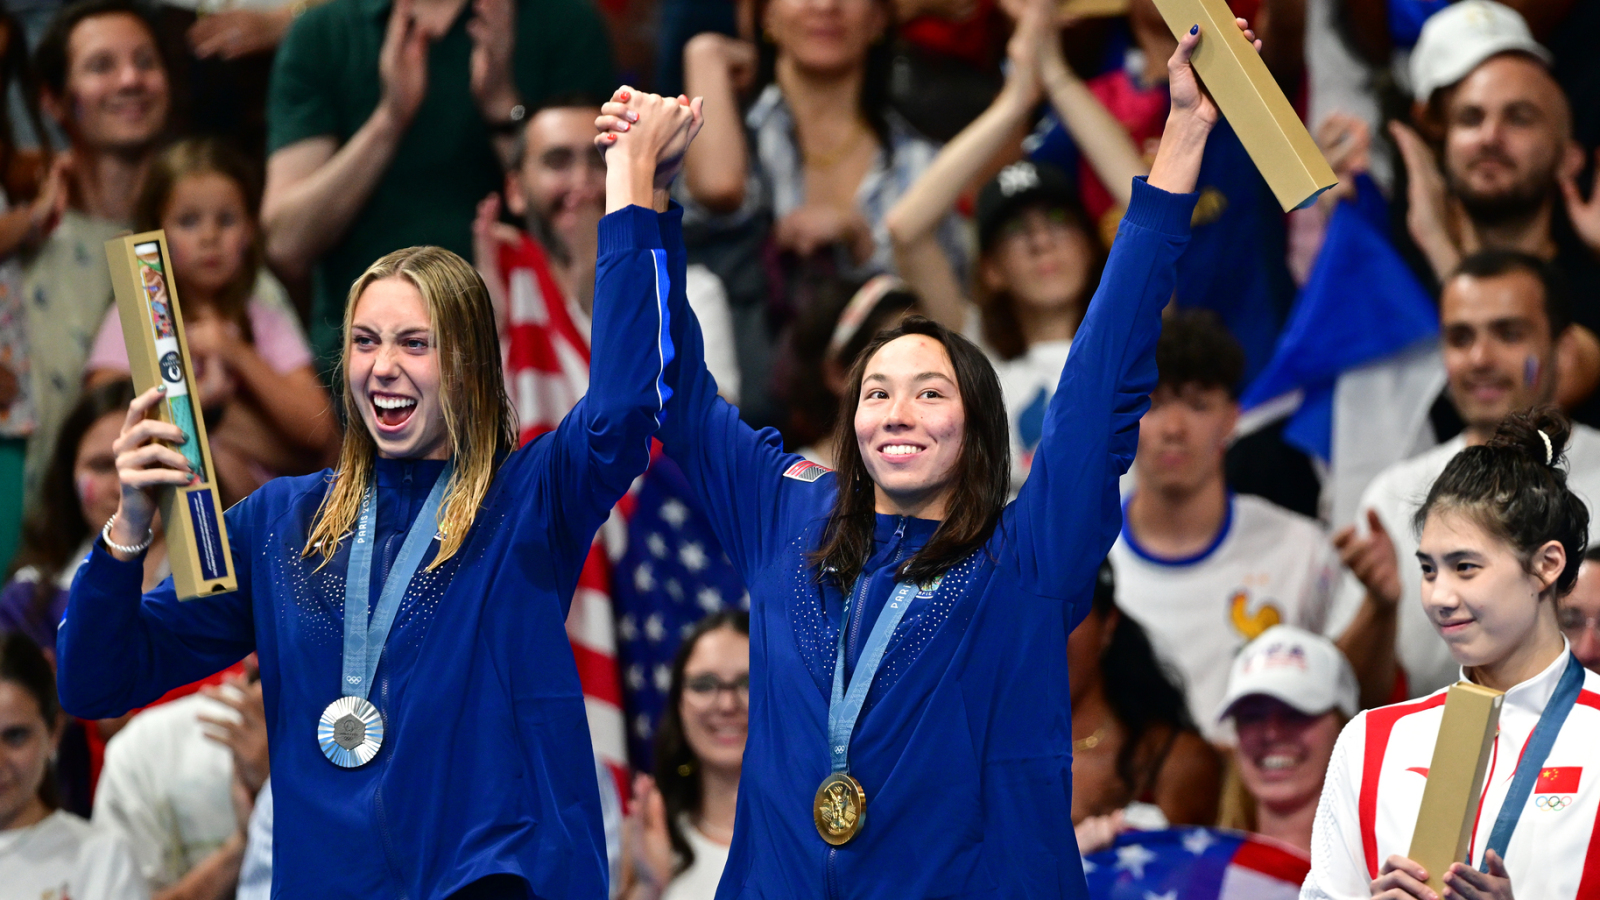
pixel 54 528
pixel 997 310
pixel 982 470
pixel 1514 487
pixel 677 768
pixel 1141 692
pixel 874 102
pixel 22 663
pixel 18 71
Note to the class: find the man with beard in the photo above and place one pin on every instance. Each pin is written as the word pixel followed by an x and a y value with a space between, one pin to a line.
pixel 1501 317
pixel 542 279
pixel 1506 176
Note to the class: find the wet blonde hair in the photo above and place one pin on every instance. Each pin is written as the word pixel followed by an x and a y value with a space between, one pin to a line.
pixel 477 413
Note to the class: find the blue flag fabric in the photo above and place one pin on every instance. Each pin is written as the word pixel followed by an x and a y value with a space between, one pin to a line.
pixel 673 574
pixel 1195 864
pixel 1360 304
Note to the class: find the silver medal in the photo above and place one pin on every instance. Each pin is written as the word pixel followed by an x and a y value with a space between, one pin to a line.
pixel 350 732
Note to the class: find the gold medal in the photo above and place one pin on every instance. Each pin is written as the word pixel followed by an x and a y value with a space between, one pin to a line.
pixel 840 808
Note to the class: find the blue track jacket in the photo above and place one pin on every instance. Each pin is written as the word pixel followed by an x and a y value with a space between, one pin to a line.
pixel 964 745
pixel 486 765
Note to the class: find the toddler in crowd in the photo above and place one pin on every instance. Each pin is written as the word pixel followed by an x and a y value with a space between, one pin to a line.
pixel 267 413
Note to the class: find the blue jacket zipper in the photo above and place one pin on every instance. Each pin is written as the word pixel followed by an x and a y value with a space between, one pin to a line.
pixel 377 798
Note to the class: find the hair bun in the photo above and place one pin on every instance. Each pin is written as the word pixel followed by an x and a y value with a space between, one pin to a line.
pixel 1541 434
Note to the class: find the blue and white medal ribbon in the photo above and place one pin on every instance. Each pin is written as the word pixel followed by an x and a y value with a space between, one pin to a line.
pixel 840 807
pixel 350 731
pixel 1534 753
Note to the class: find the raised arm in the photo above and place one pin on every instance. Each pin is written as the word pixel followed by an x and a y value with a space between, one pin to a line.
pixel 118 650
pixel 914 220
pixel 1067 515
pixel 315 186
pixel 1105 144
pixel 738 473
pixel 715 68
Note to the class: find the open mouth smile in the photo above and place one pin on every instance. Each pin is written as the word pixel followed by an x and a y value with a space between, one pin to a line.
pixel 392 410
pixel 900 451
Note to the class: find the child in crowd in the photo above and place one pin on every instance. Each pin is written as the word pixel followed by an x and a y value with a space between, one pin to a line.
pixel 1289 694
pixel 677 840
pixel 45 851
pixel 253 365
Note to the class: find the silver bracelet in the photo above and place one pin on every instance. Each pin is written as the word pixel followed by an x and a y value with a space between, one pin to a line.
pixel 136 549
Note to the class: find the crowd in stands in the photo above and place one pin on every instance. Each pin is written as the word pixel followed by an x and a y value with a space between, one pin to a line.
pixel 861 160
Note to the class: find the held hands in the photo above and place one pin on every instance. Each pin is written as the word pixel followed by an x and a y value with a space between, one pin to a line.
pixel 144 465
pixel 232 33
pixel 1177 164
pixel 1403 879
pixel 1371 559
pixel 245 737
pixel 644 136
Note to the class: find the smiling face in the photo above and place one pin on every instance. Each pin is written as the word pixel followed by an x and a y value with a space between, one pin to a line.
pixel 1480 596
pixel 116 92
pixel 1506 129
pixel 1498 352
pixel 209 230
pixel 715 707
pixel 1041 257
pixel 909 425
pixel 394 372
pixel 560 188
pixel 1283 753
pixel 825 36
pixel 25 747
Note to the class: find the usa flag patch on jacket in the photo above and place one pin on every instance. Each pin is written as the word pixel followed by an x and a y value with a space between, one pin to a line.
pixel 806 470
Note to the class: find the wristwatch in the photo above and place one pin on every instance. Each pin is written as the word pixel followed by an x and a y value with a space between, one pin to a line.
pixel 512 121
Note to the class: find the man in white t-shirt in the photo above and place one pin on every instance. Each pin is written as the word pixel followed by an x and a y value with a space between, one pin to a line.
pixel 1206 572
pixel 169 784
pixel 1501 314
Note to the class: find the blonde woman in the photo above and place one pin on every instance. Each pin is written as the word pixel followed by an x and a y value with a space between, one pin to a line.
pixel 426 724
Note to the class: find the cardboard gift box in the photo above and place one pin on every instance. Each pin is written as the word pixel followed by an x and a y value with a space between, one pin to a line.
pixel 1252 102
pixel 1449 807
pixel 152 327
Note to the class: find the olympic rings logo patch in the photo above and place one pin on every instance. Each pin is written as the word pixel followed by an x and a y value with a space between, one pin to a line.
pixel 1552 802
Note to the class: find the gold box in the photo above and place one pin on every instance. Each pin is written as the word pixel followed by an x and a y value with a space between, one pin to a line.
pixel 152 327
pixel 1455 779
pixel 1251 100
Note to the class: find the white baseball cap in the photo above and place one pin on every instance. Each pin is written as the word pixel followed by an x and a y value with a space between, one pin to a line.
pixel 1302 669
pixel 1457 39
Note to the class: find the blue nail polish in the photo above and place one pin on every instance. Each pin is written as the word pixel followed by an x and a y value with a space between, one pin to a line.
pixel 1194 29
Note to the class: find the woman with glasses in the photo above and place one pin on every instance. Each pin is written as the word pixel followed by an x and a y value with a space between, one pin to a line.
pixel 682 819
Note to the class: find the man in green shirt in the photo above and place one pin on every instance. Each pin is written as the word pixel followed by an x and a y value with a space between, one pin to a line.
pixel 384 122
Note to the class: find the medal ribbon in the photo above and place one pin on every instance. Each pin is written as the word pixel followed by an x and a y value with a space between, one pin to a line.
pixel 1533 757
pixel 363 641
pixel 845 708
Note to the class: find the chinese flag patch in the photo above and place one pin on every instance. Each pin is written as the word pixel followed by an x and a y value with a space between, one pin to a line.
pixel 1558 780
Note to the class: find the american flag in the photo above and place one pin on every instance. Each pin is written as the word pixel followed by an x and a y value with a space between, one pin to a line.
pixel 1195 864
pixel 676 572
pixel 673 574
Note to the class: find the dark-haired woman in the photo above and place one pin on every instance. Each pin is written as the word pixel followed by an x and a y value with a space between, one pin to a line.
pixel 911 731
pixel 46 851
pixel 1132 739
pixel 79 493
pixel 676 841
pixel 1502 537
pixel 818 150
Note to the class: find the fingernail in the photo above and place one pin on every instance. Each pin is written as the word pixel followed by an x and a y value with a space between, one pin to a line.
pixel 632 116
pixel 623 126
pixel 1194 29
pixel 623 96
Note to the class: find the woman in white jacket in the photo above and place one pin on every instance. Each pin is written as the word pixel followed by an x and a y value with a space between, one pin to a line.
pixel 1501 541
